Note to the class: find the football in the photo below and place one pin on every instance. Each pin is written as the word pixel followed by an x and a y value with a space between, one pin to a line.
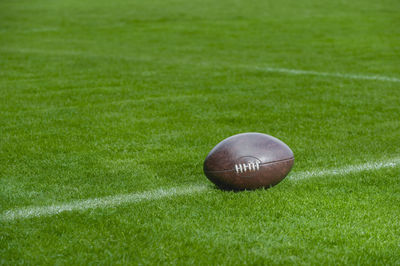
pixel 248 161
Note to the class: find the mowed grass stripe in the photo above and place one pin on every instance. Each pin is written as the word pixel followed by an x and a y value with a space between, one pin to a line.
pixel 117 200
pixel 206 64
pixel 90 105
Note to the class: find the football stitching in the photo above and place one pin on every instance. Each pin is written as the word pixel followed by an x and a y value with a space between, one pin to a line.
pixel 260 164
pixel 242 167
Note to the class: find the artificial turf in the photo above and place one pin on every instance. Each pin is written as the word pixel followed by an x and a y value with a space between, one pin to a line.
pixel 102 98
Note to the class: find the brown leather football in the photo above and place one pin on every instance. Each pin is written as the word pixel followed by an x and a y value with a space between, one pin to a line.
pixel 248 161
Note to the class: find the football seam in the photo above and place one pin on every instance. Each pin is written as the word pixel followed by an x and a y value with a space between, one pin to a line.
pixel 261 164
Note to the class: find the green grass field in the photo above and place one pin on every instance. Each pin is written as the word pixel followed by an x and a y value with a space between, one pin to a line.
pixel 109 98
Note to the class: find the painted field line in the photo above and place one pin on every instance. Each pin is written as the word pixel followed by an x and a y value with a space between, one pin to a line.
pixel 326 74
pixel 350 169
pixel 260 68
pixel 118 200
pixel 105 202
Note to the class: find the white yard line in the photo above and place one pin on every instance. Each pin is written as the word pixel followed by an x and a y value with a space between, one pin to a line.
pixel 260 68
pixel 350 169
pixel 105 202
pixel 325 74
pixel 118 200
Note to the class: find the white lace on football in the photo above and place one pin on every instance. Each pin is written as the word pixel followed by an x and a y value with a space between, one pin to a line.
pixel 243 167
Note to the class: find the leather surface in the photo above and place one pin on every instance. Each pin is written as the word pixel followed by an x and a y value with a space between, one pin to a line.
pixel 233 150
pixel 273 158
pixel 269 175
